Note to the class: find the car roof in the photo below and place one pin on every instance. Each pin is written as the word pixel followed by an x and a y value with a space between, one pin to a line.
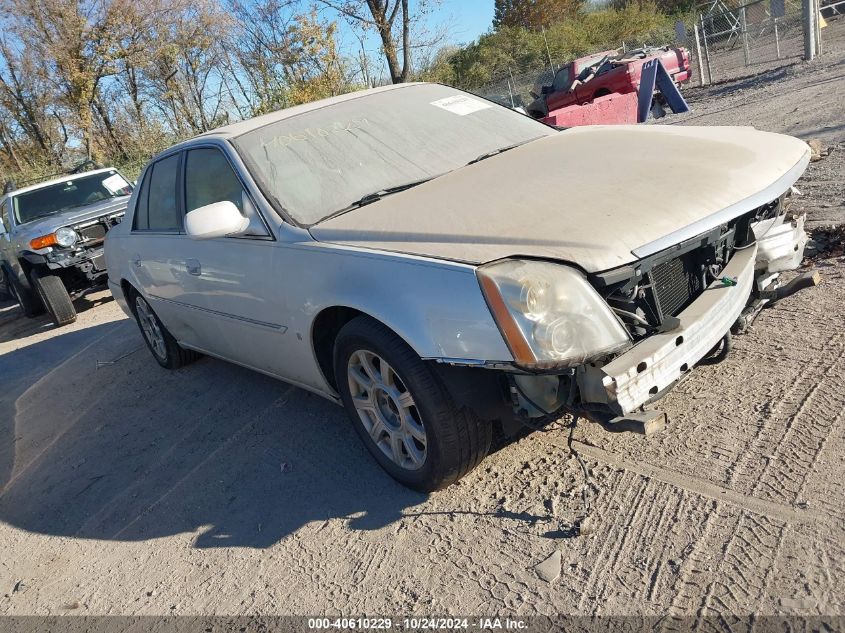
pixel 56 181
pixel 242 127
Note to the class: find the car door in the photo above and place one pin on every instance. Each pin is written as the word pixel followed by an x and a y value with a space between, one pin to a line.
pixel 156 245
pixel 233 280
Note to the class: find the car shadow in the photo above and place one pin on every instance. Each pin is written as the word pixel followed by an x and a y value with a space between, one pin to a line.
pixel 15 325
pixel 98 442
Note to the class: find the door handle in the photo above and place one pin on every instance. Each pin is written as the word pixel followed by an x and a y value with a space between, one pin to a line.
pixel 193 266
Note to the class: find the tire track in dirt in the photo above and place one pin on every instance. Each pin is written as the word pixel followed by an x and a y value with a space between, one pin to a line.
pixel 756 540
pixel 757 511
pixel 781 427
pixel 611 551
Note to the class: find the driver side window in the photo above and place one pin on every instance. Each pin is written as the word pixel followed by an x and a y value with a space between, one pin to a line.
pixel 210 178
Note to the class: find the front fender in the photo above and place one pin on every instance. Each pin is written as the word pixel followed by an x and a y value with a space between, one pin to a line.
pixel 14 270
pixel 436 307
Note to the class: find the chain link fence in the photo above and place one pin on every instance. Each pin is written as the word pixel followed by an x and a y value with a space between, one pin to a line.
pixel 725 41
pixel 738 41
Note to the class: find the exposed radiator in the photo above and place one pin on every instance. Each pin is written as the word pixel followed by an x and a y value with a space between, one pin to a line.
pixel 677 283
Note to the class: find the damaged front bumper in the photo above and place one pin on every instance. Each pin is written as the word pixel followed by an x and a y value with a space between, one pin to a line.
pixel 640 375
pixel 615 391
pixel 780 243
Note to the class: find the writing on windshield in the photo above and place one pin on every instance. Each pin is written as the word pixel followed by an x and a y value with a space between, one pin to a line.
pixel 315 133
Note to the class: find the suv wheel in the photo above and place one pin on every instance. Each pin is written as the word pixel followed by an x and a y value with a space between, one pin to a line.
pixel 167 352
pixel 405 416
pixel 27 300
pixel 55 297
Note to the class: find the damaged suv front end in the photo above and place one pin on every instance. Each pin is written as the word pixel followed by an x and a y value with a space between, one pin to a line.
pixel 52 235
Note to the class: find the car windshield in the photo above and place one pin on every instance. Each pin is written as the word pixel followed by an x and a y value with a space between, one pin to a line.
pixel 76 191
pixel 322 161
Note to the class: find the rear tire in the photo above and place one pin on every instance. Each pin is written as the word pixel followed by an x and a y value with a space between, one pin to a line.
pixel 53 294
pixel 164 348
pixel 395 395
pixel 28 301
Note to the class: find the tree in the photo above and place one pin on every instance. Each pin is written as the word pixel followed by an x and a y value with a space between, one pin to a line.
pixel 533 14
pixel 78 44
pixel 395 24
pixel 285 58
pixel 26 98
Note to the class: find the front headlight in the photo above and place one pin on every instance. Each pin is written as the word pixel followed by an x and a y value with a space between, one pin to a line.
pixel 66 237
pixel 549 314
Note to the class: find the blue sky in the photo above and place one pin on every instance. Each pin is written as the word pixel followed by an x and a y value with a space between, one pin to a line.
pixel 469 18
pixel 464 20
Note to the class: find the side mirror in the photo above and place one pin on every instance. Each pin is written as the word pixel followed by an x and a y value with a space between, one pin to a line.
pixel 217 219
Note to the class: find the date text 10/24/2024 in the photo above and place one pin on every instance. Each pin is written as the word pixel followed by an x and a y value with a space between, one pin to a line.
pixel 418 624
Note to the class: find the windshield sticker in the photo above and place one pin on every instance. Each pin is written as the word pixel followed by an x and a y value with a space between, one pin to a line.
pixel 115 183
pixel 461 104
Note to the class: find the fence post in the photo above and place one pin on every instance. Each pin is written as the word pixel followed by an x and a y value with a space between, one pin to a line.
pixel 745 49
pixel 548 52
pixel 808 22
pixel 706 49
pixel 512 86
pixel 817 14
pixel 698 55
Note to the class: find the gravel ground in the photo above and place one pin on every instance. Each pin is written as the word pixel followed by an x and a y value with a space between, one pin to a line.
pixel 127 489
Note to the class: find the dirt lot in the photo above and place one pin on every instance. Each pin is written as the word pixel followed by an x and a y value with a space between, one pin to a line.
pixel 127 489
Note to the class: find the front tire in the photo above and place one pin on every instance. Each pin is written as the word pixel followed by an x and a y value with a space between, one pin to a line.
pixel 164 348
pixel 401 410
pixel 53 294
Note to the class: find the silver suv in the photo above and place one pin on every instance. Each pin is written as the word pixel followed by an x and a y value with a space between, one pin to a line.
pixel 51 238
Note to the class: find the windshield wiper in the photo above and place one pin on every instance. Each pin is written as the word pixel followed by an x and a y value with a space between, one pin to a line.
pixel 376 196
pixel 496 152
pixel 41 215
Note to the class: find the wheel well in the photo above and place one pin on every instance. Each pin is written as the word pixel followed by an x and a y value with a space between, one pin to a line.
pixel 324 331
pixel 128 289
pixel 26 268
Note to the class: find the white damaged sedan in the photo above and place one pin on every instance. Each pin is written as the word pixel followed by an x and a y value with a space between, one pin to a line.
pixel 441 265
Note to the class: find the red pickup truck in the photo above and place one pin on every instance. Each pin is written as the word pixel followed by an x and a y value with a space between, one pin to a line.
pixel 587 78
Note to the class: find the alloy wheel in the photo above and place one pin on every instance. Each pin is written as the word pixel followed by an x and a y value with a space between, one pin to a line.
pixel 387 409
pixel 149 326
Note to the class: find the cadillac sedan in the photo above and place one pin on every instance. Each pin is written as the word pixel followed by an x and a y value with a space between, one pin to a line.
pixel 443 266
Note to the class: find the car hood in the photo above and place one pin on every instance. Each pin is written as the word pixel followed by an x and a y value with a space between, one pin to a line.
pixel 599 197
pixel 76 215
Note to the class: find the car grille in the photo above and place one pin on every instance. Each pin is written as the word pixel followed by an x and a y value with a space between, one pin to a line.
pixel 677 283
pixel 94 232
